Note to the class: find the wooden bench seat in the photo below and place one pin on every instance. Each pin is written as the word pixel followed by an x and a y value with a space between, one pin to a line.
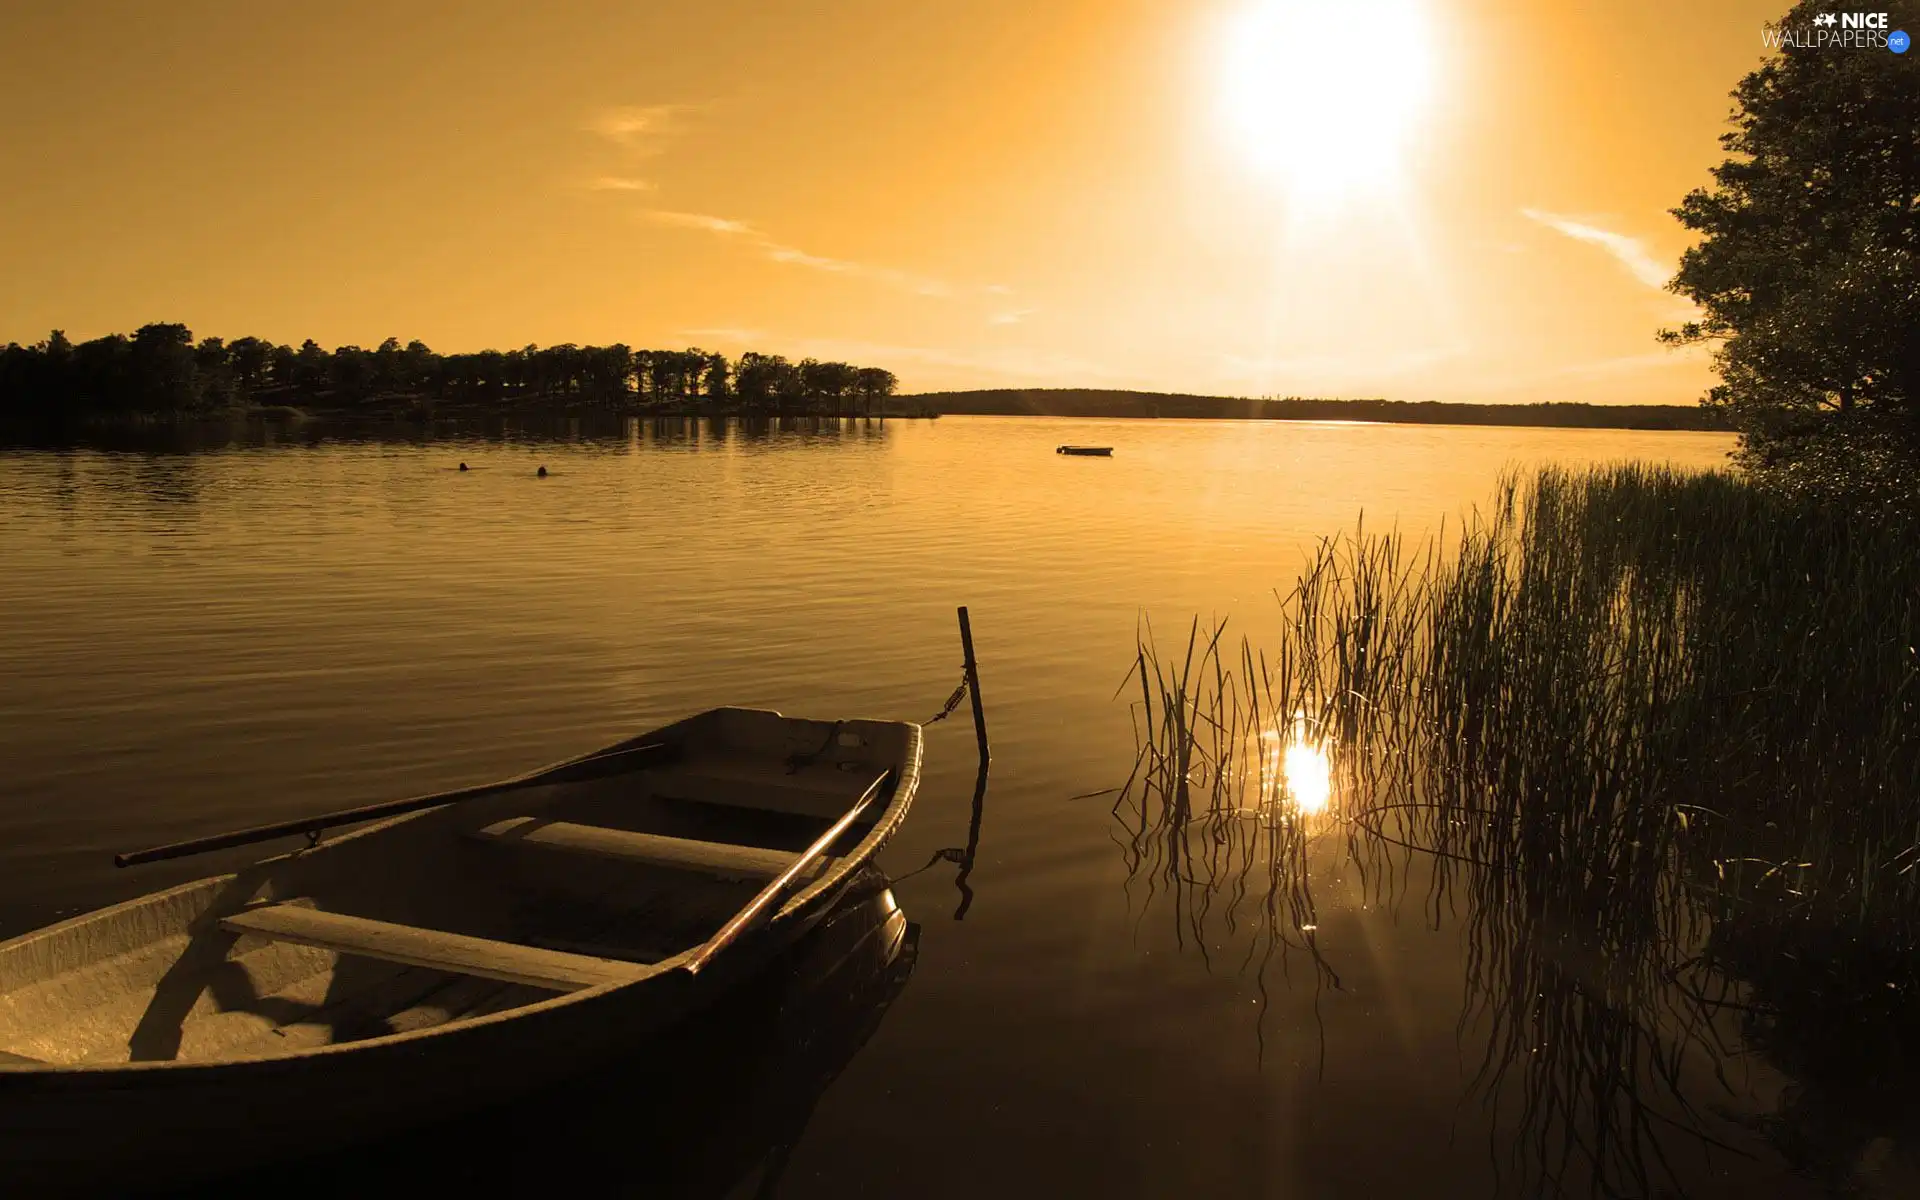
pixel 720 859
pixel 451 952
pixel 817 790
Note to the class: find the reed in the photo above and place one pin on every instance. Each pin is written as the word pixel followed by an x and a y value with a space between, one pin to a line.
pixel 1646 724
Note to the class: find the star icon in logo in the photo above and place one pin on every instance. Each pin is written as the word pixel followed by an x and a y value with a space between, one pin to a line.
pixel 1826 19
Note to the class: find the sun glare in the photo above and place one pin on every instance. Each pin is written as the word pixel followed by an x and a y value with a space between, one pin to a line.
pixel 1295 771
pixel 1309 776
pixel 1326 97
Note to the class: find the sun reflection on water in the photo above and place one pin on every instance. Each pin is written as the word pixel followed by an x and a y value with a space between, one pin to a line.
pixel 1296 773
pixel 1309 776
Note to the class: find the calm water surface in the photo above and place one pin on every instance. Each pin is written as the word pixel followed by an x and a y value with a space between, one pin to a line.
pixel 274 625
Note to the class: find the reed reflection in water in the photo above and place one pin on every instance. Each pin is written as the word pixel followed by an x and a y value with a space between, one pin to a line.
pixel 1666 794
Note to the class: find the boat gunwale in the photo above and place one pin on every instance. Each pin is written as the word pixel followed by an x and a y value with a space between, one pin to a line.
pixel 906 782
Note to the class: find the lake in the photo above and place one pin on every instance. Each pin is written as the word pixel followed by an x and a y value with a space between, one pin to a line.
pixel 282 621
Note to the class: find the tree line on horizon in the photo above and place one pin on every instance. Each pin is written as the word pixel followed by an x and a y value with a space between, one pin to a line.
pixel 1106 402
pixel 160 369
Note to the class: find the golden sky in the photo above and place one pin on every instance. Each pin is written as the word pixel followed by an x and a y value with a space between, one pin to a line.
pixel 1421 199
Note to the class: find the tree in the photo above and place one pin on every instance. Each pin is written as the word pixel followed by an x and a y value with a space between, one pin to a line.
pixel 353 371
pixel 283 365
pixel 674 374
pixel 312 367
pixel 163 370
pixel 788 385
pixel 754 377
pixel 388 369
pixel 1807 271
pixel 417 364
pixel 830 382
pixel 213 372
pixel 872 384
pixel 609 369
pixel 492 370
pixel 249 358
pixel 718 381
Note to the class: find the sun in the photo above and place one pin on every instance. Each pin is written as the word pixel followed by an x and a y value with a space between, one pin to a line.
pixel 1327 96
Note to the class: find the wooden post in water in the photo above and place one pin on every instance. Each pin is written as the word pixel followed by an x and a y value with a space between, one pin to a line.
pixel 973 686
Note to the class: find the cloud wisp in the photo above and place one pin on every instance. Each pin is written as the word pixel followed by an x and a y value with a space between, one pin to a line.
pixel 1630 252
pixel 644 130
pixel 639 132
pixel 687 220
pixel 775 251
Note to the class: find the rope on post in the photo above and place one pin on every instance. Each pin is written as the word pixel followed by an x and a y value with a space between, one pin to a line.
pixel 953 701
pixel 965 858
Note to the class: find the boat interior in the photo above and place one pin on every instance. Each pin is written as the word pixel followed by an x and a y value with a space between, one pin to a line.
pixel 463 910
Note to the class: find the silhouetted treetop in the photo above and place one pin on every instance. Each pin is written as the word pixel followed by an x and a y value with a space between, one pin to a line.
pixel 1807 271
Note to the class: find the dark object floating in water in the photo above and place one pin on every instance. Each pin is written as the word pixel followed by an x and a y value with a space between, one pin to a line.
pixel 1099 451
pixel 487 942
pixel 542 472
pixel 463 466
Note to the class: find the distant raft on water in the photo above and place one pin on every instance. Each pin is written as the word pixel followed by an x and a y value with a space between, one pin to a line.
pixel 1097 451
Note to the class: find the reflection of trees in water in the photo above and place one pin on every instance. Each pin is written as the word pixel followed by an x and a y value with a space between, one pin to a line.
pixel 1657 741
pixel 608 429
pixel 1835 1008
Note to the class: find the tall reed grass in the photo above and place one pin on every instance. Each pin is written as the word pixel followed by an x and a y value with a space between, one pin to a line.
pixel 1647 724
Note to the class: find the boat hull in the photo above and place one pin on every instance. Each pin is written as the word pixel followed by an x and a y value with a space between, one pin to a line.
pixel 162 1118
pixel 85 1132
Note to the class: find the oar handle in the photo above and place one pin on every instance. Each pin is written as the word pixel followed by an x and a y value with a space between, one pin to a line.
pixel 757 907
pixel 593 766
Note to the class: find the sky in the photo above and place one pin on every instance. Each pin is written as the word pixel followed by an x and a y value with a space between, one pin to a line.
pixel 1416 199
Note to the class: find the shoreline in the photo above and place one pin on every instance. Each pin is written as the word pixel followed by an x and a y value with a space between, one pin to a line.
pixel 1126 405
pixel 1068 406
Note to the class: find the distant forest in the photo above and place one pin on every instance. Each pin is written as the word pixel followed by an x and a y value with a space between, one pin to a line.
pixel 161 370
pixel 1082 402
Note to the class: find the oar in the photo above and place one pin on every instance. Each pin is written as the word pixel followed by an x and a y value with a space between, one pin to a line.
pixel 594 766
pixel 757 908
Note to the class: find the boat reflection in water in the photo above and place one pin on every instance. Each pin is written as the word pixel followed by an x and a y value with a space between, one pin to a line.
pixel 711 1110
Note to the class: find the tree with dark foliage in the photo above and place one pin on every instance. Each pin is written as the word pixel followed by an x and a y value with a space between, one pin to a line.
pixel 1807 271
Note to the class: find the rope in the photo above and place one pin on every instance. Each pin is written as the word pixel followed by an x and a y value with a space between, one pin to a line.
pixel 803 759
pixel 953 701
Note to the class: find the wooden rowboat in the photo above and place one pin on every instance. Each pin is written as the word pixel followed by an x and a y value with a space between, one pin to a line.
pixel 740 1080
pixel 1094 451
pixel 437 960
